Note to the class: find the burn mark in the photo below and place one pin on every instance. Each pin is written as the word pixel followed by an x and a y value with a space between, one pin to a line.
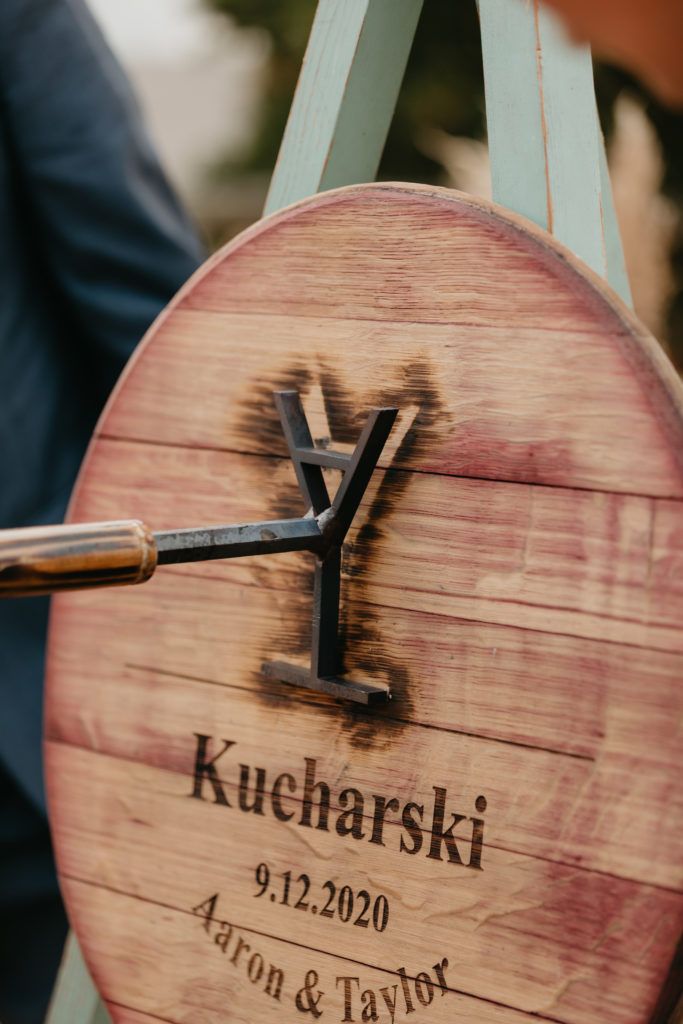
pixel 259 424
pixel 346 410
pixel 359 630
pixel 369 656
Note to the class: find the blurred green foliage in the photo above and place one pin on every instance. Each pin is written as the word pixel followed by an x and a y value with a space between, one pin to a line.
pixel 443 88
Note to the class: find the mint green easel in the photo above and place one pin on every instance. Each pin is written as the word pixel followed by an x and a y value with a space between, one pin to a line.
pixel 547 163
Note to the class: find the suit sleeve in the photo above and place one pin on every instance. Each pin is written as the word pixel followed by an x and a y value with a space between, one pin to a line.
pixel 109 229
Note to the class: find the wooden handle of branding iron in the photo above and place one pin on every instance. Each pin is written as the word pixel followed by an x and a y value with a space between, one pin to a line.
pixel 42 559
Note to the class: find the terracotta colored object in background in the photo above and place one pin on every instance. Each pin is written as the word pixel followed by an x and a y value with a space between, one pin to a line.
pixel 514 574
pixel 643 37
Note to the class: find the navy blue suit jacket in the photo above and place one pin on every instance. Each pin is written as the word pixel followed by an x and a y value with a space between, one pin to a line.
pixel 93 244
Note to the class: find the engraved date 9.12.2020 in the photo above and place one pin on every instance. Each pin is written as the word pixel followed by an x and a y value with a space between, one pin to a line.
pixel 357 908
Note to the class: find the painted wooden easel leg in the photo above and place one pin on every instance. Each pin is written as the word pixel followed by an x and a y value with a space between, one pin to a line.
pixel 617 274
pixel 546 146
pixel 345 97
pixel 75 999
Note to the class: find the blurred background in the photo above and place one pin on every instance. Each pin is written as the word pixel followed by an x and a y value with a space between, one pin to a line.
pixel 215 79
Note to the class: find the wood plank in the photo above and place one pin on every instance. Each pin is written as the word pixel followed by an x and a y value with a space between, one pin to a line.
pixel 573 562
pixel 581 817
pixel 290 264
pixel 221 982
pixel 569 391
pixel 489 681
pixel 560 425
pixel 584 565
pixel 150 837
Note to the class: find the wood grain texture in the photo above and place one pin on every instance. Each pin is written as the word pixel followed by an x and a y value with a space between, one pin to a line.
pixel 514 573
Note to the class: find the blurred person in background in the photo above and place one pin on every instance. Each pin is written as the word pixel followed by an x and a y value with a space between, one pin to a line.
pixel 93 244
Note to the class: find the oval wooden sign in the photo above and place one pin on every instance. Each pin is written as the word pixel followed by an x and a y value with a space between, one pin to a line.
pixel 502 841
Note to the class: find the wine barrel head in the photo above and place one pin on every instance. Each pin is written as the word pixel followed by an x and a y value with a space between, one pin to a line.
pixel 500 842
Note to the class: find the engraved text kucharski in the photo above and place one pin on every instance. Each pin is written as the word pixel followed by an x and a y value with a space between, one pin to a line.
pixel 363 818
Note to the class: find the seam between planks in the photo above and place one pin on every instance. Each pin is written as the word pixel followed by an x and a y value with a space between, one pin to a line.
pixel 672 652
pixel 120 439
pixel 619 335
pixel 329 709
